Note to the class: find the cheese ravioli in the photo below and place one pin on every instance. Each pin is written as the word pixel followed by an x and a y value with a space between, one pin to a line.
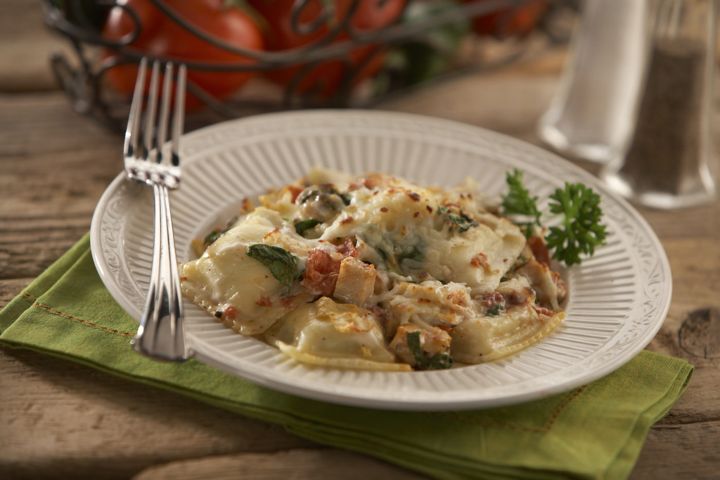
pixel 374 272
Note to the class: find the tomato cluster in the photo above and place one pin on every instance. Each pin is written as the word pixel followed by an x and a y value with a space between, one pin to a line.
pixel 267 25
pixel 510 21
pixel 161 36
pixel 325 78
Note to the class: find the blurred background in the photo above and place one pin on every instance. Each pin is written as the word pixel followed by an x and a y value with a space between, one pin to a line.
pixel 257 56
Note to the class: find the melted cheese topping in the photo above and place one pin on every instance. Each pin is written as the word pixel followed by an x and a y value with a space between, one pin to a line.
pixel 328 329
pixel 376 272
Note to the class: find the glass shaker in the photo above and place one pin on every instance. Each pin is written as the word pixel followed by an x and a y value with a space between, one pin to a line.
pixel 591 113
pixel 665 163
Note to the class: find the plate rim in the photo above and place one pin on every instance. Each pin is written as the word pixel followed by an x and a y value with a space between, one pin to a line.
pixel 261 377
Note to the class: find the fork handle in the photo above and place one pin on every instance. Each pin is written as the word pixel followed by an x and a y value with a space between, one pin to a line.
pixel 161 334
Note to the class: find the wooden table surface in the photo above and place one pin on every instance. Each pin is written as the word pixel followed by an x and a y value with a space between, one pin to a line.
pixel 61 420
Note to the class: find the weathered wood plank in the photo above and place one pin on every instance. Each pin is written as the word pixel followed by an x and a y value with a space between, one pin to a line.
pixel 695 265
pixel 63 420
pixel 25 46
pixel 295 464
pixel 38 124
pixel 56 165
pixel 702 221
pixel 670 452
pixel 28 254
pixel 10 288
pixel 701 401
pixel 680 451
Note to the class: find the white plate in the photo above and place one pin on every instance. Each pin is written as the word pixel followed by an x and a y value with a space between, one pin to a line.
pixel 618 299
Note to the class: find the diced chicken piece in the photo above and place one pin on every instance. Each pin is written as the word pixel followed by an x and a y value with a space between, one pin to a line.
pixel 517 291
pixel 355 281
pixel 430 302
pixel 541 279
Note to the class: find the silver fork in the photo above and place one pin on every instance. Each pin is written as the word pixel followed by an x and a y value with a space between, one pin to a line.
pixel 161 334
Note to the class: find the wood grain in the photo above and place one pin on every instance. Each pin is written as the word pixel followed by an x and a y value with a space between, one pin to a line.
pixel 55 167
pixel 63 420
pixel 10 287
pixel 25 45
pixel 294 464
pixel 699 335
pixel 680 452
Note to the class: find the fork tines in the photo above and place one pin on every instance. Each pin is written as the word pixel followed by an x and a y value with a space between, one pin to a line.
pixel 146 156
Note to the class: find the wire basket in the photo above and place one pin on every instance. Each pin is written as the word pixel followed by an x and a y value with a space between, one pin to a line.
pixel 84 78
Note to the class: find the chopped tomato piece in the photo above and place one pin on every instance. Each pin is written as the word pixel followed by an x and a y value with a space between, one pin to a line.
pixel 230 313
pixel 263 301
pixel 480 260
pixel 347 248
pixel 321 273
pixel 294 191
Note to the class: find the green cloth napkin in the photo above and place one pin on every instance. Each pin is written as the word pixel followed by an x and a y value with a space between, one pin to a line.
pixel 595 431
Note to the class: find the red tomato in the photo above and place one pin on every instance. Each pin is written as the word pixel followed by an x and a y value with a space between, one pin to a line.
pixel 325 79
pixel 162 36
pixel 321 272
pixel 511 21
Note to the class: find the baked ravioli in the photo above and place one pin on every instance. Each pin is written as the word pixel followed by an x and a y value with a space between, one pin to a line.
pixel 377 273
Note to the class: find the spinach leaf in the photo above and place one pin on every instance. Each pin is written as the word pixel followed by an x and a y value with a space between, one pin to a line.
pixel 459 220
pixel 494 310
pixel 414 253
pixel 422 360
pixel 282 264
pixel 413 343
pixel 321 191
pixel 346 198
pixel 439 361
pixel 303 225
pixel 463 222
pixel 211 237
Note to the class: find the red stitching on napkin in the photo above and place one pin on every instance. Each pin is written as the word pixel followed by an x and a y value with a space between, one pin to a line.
pixel 481 419
pixel 560 408
pixel 28 296
pixel 49 309
pixel 88 323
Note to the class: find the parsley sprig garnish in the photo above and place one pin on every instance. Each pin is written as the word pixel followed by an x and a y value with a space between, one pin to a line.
pixel 519 203
pixel 580 230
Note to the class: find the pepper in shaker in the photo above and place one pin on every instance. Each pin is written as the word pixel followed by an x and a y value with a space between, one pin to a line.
pixel 667 158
